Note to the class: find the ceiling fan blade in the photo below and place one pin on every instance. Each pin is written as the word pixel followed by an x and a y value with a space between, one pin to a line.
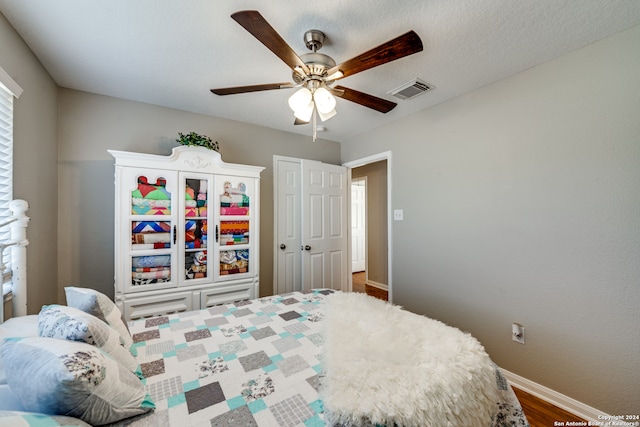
pixel 251 88
pixel 297 122
pixel 364 99
pixel 255 23
pixel 404 45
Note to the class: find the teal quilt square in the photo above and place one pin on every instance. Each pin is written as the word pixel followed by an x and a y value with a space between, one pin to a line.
pixel 191 385
pixel 228 357
pixel 257 406
pixel 168 354
pixel 270 368
pixel 314 421
pixel 276 358
pixel 178 399
pixel 235 402
pixel 317 406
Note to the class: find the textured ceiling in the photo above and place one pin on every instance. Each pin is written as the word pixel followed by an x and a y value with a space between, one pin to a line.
pixel 170 53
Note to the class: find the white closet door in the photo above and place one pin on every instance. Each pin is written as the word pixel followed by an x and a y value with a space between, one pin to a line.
pixel 324 226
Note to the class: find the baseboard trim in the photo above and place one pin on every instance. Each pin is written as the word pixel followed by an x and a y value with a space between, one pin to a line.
pixel 558 399
pixel 378 285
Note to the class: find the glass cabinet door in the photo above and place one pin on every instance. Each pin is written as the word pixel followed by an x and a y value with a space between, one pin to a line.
pixel 233 226
pixel 194 240
pixel 149 198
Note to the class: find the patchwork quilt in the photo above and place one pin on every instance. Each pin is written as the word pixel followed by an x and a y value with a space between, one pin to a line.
pixel 251 363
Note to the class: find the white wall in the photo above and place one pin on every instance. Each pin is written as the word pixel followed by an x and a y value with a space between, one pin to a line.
pixel 89 124
pixel 35 166
pixel 522 204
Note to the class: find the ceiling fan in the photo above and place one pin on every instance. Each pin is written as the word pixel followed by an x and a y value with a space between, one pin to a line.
pixel 316 73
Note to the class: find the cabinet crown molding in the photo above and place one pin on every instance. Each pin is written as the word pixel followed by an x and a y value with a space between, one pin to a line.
pixel 189 158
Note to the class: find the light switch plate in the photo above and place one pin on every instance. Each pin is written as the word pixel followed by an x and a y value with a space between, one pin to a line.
pixel 398 215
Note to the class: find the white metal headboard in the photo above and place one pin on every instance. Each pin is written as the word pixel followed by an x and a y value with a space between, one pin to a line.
pixel 14 287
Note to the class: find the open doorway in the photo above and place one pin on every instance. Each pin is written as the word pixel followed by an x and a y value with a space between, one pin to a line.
pixel 370 179
pixel 358 224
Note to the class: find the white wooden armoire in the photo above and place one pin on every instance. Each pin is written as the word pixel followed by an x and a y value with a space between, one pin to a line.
pixel 186 231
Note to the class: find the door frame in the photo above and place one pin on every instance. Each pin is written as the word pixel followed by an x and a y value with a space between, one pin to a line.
pixel 386 155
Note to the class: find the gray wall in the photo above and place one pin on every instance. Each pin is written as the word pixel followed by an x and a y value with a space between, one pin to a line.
pixel 377 240
pixel 90 124
pixel 35 165
pixel 522 204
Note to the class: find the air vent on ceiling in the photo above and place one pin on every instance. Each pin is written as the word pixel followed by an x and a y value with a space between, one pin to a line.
pixel 411 89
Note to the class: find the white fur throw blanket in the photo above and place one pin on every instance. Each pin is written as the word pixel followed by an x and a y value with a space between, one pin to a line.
pixel 384 365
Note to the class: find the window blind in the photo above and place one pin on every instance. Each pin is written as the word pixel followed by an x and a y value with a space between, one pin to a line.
pixel 6 173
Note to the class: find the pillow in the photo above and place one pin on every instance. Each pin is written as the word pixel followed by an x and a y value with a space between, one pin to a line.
pixel 98 304
pixel 8 401
pixel 60 377
pixel 24 326
pixel 29 419
pixel 68 323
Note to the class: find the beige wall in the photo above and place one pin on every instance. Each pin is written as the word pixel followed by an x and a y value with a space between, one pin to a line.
pixel 90 124
pixel 377 221
pixel 522 204
pixel 35 166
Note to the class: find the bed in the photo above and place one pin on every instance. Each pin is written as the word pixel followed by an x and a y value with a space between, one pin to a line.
pixel 300 359
pixel 261 362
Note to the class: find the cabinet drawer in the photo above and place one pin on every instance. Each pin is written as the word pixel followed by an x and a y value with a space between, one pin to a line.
pixel 226 295
pixel 137 308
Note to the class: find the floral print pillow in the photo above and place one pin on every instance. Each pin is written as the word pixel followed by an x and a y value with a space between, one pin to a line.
pixel 60 377
pixel 68 323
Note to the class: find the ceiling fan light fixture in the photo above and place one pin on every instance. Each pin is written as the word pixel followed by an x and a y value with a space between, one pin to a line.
pixel 326 116
pixel 325 102
pixel 304 113
pixel 301 103
pixel 300 99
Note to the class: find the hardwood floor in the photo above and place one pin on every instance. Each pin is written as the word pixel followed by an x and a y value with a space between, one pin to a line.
pixel 539 412
pixel 360 285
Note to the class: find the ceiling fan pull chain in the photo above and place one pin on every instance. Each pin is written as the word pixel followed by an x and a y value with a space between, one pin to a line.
pixel 313 123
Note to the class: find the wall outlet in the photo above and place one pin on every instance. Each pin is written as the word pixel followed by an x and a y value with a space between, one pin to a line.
pixel 517 333
pixel 398 215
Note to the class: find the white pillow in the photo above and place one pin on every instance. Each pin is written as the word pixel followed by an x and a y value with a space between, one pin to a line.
pixel 98 304
pixel 24 326
pixel 56 377
pixel 68 323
